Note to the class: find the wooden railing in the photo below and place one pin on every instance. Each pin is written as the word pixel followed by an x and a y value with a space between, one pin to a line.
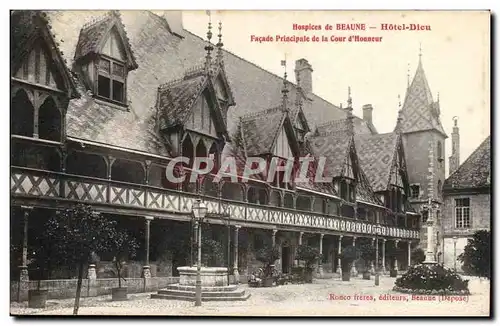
pixel 26 182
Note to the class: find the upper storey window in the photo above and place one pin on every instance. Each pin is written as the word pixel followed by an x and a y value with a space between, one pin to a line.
pixel 104 58
pixel 112 73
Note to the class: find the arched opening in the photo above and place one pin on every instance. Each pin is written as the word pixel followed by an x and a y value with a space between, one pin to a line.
pixel 252 195
pixel 201 150
pixel 275 198
pixel 333 208
pixel 394 200
pixel 303 203
pixel 49 121
pixel 343 190
pixel 288 201
pixel 188 150
pixel 232 191
pixel 213 154
pixel 319 205
pixel 91 165
pixel 35 157
pixel 440 188
pixel 21 115
pixel 347 211
pixel 210 188
pixel 263 197
pixel 127 171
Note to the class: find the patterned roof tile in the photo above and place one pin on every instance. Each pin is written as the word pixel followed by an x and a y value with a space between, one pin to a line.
pixel 475 172
pixel 376 153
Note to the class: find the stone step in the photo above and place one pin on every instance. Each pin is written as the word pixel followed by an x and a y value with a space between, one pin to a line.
pixel 176 286
pixel 227 294
pixel 203 298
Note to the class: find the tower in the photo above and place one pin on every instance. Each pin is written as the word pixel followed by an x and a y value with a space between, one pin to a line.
pixel 422 129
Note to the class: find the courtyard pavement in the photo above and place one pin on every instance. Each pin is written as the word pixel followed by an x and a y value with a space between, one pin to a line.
pixel 325 297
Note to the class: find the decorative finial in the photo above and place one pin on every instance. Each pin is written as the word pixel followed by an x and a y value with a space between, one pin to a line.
pixel 400 116
pixel 438 97
pixel 219 44
pixel 349 98
pixel 420 51
pixel 408 76
pixel 209 47
pixel 350 117
pixel 455 120
pixel 284 91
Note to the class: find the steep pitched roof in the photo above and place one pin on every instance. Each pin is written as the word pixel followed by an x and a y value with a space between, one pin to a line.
pixel 259 130
pixel 361 127
pixel 334 147
pixel 25 27
pixel 175 99
pixel 420 112
pixel 164 56
pixel 92 35
pixel 475 172
pixel 376 153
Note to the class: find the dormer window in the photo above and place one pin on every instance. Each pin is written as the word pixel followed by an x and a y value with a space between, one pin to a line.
pixel 104 58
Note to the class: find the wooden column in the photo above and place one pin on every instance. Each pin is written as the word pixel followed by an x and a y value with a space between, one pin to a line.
pixel 23 269
pixel 354 272
pixel 383 256
pixel 320 262
pixel 395 256
pixel 409 254
pixel 372 268
pixel 146 269
pixel 235 260
pixel 339 251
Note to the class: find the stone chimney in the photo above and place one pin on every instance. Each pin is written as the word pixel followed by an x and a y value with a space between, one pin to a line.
pixel 455 147
pixel 367 113
pixel 303 72
pixel 174 20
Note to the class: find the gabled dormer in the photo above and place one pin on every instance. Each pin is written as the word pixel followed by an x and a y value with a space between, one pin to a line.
pixel 398 187
pixel 41 84
pixel 190 116
pixel 348 179
pixel 222 90
pixel 300 124
pixel 104 58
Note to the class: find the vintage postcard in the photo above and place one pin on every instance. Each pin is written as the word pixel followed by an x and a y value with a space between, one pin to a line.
pixel 250 163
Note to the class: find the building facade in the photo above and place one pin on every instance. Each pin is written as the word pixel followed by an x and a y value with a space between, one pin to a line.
pixel 467 200
pixel 102 102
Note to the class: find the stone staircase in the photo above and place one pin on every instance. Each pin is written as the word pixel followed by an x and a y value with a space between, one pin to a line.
pixel 208 293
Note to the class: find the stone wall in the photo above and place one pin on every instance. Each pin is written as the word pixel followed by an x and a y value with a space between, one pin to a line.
pixel 64 289
pixel 480 213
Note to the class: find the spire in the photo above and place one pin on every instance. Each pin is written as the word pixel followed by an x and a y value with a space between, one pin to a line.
pixel 208 47
pixel 219 45
pixel 350 117
pixel 399 123
pixel 284 90
pixel 420 54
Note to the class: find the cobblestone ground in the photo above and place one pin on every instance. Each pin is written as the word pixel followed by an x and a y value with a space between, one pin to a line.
pixel 296 299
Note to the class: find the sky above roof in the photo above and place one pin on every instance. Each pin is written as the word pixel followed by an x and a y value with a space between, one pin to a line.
pixel 455 56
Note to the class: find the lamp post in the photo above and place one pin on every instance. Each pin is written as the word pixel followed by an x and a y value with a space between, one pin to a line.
pixel 377 273
pixel 199 212
pixel 455 253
